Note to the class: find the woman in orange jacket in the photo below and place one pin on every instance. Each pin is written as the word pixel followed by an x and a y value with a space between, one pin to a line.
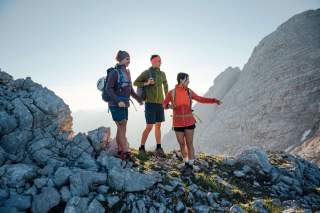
pixel 183 119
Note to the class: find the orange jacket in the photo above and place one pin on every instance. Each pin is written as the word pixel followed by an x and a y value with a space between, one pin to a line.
pixel 182 112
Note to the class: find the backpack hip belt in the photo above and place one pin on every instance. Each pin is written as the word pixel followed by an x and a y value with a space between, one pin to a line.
pixel 183 115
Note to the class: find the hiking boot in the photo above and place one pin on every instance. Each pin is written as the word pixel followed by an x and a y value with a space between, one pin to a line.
pixel 187 169
pixel 125 155
pixel 142 152
pixel 160 153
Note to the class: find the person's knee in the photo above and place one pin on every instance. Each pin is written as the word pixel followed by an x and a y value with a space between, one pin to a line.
pixel 157 126
pixel 189 144
pixel 149 127
pixel 182 143
pixel 122 124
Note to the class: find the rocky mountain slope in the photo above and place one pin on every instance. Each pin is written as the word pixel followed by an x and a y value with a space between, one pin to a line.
pixel 46 167
pixel 274 100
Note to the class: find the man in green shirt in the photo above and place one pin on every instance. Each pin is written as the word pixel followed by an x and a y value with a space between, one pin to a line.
pixel 155 85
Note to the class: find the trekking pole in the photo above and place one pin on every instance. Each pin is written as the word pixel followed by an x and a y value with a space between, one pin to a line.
pixel 134 105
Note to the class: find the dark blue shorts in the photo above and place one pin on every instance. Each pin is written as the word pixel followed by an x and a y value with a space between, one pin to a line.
pixel 119 113
pixel 154 113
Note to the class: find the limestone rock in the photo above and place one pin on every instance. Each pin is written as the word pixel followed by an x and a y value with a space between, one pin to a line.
pixel 17 174
pixel 255 158
pixel 99 138
pixel 48 198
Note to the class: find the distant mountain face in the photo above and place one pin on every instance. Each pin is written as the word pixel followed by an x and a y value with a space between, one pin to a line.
pixel 274 100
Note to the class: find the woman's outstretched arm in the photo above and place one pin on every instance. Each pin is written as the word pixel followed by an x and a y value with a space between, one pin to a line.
pixel 205 100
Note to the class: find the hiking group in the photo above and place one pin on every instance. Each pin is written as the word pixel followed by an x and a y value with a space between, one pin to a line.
pixel 117 88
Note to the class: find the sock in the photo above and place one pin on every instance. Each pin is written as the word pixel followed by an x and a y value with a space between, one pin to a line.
pixel 158 146
pixel 142 147
pixel 185 160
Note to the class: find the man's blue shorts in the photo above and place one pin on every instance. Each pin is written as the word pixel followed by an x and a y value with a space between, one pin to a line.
pixel 119 113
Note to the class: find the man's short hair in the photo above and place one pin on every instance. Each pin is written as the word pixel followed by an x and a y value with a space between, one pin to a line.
pixel 153 56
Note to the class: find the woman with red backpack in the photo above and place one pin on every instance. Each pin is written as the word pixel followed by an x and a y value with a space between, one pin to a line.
pixel 183 119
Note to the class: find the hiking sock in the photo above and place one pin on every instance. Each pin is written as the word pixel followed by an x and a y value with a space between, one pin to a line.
pixel 158 146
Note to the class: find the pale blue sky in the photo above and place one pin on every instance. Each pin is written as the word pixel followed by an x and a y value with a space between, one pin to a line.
pixel 67 44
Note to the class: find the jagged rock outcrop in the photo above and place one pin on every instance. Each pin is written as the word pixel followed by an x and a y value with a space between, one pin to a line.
pixel 273 100
pixel 43 163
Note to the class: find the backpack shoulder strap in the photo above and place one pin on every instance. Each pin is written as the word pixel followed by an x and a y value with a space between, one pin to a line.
pixel 150 73
pixel 190 97
pixel 174 93
pixel 111 70
pixel 118 73
pixel 190 93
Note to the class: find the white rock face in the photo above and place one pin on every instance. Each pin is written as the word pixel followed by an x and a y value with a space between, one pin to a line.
pixel 273 100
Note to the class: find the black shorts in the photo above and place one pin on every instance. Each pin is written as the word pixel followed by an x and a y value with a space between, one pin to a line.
pixel 154 113
pixel 181 129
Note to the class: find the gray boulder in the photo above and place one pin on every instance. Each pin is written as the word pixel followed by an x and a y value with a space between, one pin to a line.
pixel 16 175
pixel 77 205
pixel 15 142
pixel 108 161
pixel 40 182
pixel 4 195
pixel 52 105
pixel 10 210
pixel 112 200
pixel 121 179
pixel 99 138
pixel 5 77
pixel 21 202
pixel 7 123
pixel 257 205
pixel 23 114
pixel 81 181
pixel 65 193
pixel 61 176
pixel 95 207
pixel 47 199
pixel 86 161
pixel 254 158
